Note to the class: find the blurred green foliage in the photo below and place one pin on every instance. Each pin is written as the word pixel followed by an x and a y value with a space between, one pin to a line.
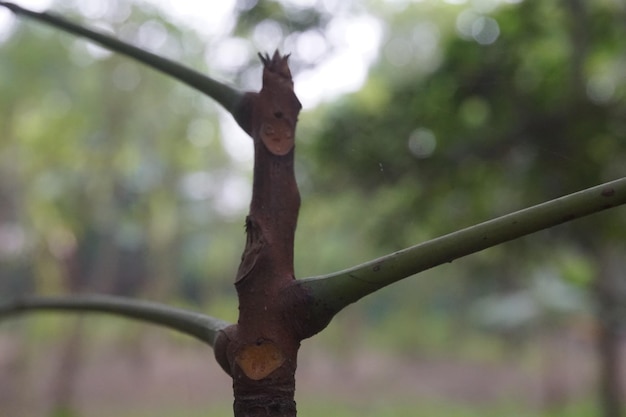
pixel 519 104
pixel 115 179
pixel 111 171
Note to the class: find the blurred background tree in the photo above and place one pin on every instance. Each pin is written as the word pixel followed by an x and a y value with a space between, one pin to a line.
pixel 520 103
pixel 116 179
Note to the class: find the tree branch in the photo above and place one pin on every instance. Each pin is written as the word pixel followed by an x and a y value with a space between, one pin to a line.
pixel 335 291
pixel 225 95
pixel 198 325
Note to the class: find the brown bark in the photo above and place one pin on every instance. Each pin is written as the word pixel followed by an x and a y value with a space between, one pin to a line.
pixel 260 351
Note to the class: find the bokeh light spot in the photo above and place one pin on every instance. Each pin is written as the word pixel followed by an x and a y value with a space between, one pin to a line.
pixel 422 142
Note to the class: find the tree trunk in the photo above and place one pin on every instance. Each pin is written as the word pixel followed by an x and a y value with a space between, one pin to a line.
pixel 64 381
pixel 610 384
pixel 610 294
pixel 260 351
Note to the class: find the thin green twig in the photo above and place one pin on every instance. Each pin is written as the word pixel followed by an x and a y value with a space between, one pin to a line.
pixel 194 324
pixel 335 291
pixel 227 96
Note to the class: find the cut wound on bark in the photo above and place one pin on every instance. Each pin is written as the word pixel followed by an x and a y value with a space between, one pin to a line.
pixel 260 351
pixel 260 359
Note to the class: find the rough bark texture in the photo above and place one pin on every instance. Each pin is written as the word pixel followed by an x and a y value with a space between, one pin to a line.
pixel 260 351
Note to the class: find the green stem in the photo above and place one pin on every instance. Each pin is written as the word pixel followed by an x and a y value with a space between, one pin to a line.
pixel 335 291
pixel 227 96
pixel 198 325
